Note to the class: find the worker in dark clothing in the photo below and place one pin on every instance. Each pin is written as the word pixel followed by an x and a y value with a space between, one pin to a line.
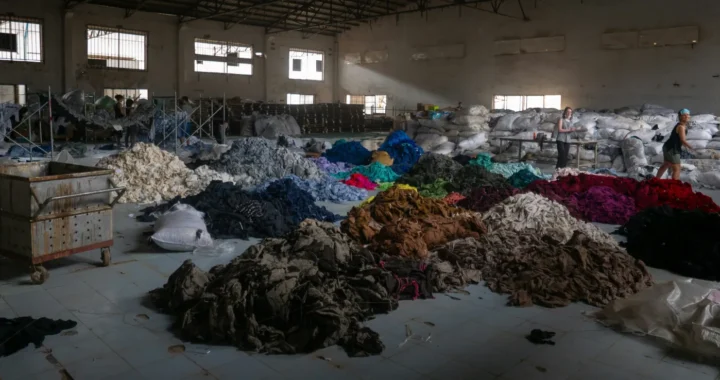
pixel 119 114
pixel 672 148
pixel 131 131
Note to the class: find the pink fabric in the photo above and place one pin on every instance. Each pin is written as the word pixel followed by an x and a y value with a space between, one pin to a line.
pixel 360 181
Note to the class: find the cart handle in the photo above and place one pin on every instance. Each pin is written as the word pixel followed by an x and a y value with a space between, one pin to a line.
pixel 119 190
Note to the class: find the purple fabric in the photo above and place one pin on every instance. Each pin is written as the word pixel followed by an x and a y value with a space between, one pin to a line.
pixel 331 167
pixel 602 204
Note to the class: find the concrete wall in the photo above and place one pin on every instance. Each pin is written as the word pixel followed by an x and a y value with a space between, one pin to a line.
pixel 170 56
pixel 584 73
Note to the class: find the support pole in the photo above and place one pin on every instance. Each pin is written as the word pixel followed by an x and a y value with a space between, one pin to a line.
pixel 176 122
pixel 50 117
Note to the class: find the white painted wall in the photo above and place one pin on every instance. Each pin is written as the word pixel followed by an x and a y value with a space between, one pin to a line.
pixel 584 74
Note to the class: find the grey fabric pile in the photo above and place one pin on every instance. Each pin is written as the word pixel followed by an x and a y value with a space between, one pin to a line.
pixel 272 127
pixel 309 290
pixel 253 161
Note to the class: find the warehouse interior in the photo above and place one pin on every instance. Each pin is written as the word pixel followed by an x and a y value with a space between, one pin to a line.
pixel 364 189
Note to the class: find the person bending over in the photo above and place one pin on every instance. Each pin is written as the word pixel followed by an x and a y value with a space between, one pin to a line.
pixel 562 137
pixel 673 146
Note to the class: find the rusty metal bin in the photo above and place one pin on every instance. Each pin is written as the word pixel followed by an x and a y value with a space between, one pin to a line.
pixel 50 210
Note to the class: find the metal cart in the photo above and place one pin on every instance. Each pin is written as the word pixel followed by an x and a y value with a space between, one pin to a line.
pixel 50 210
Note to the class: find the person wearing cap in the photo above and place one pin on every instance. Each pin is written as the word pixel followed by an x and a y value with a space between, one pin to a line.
pixel 673 146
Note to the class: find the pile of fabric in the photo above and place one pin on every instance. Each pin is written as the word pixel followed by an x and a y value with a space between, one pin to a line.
pixel 325 189
pixel 252 161
pixel 429 169
pixel 473 176
pixel 436 189
pixel 150 174
pixel 482 199
pixel 403 223
pixel 309 290
pixel 231 212
pixel 685 242
pixel 351 152
pixel 523 178
pixel 451 132
pixel 602 204
pixel 331 167
pixel 360 181
pixel 273 126
pixel 507 170
pixel 403 150
pixel 376 172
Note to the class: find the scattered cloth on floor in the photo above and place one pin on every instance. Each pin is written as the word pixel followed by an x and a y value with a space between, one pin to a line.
pixel 680 241
pixel 454 198
pixel 430 168
pixel 536 215
pixel 351 152
pixel 231 212
pixel 523 178
pixel 538 336
pixel 483 198
pixel 404 151
pixel 309 290
pixel 682 313
pixel 76 149
pixel 360 181
pixel 376 172
pixel 435 189
pixel 150 174
pixel 473 176
pixel 382 157
pixel 331 167
pixel 535 268
pixel 325 189
pixel 18 333
pixel 255 160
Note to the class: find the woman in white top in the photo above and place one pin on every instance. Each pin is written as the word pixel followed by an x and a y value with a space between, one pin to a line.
pixel 562 137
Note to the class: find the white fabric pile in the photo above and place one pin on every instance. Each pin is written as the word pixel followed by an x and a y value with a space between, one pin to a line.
pixel 466 131
pixel 152 175
pixel 271 127
pixel 532 213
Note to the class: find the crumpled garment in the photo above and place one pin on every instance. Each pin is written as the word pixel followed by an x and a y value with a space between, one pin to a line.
pixel 351 152
pixel 376 171
pixel 325 189
pixel 231 212
pixel 404 151
pixel 462 159
pixel 382 186
pixel 482 199
pixel 435 189
pixel 430 168
pixel 534 268
pixel 536 215
pixel 18 333
pixel 330 167
pixel 382 157
pixel 482 160
pixel 507 170
pixel 602 204
pixel 685 242
pixel 360 181
pixel 473 176
pixel 453 198
pixel 523 178
pixel 150 174
pixel 309 290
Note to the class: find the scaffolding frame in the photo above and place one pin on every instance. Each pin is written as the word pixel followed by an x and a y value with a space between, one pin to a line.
pixel 197 125
pixel 27 120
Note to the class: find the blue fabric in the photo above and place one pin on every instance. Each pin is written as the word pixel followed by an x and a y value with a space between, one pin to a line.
pixel 323 189
pixel 523 178
pixel 375 172
pixel 403 150
pixel 351 152
pixel 16 151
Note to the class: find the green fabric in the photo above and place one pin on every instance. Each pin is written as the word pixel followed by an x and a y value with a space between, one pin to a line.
pixel 523 178
pixel 506 170
pixel 376 172
pixel 385 185
pixel 435 189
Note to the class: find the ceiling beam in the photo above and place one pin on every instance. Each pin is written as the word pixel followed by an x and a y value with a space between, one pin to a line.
pixel 236 10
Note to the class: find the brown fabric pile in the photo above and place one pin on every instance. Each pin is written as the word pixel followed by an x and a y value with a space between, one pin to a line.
pixel 542 270
pixel 404 223
pixel 309 290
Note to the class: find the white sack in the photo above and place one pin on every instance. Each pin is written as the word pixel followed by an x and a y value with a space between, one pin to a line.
pixel 619 134
pixel 714 144
pixel 698 134
pixel 711 179
pixel 645 136
pixel 633 154
pixel 703 119
pixel 469 119
pixel 527 122
pixel 181 229
pixel 473 142
pixel 429 141
pixel 506 122
pixel 444 148
pixel 605 133
pixel 495 134
pixel 592 116
pixel 698 144
pixel 477 110
pixel 547 127
pixel 653 149
pixel 585 125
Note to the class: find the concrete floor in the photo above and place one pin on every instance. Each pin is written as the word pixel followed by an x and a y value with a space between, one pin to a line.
pixel 120 336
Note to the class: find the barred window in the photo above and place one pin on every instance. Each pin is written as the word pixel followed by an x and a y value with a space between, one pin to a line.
pixel 116 48
pixel 20 39
pixel 223 57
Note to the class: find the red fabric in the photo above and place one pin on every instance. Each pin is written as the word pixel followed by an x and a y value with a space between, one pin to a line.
pixel 454 198
pixel 645 194
pixel 360 181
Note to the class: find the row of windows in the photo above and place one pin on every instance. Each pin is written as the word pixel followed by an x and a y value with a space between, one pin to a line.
pixel 21 41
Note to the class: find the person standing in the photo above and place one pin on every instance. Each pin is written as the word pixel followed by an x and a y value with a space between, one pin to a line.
pixel 562 137
pixel 673 146
pixel 119 114
pixel 131 131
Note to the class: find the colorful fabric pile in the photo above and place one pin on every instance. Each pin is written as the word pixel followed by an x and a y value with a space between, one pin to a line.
pixel 376 171
pixel 360 181
pixel 351 152
pixel 602 204
pixel 483 198
pixel 430 168
pixel 523 178
pixel 403 150
pixel 507 170
pixel 325 189
pixel 685 242
pixel 473 176
pixel 382 157
pixel 331 167
pixel 435 189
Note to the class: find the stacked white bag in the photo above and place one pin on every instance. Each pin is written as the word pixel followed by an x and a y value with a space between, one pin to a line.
pixel 467 130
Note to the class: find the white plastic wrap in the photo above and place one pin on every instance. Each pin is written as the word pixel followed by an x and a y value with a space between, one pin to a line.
pixel 633 154
pixel 506 122
pixel 473 142
pixel 653 149
pixel 698 144
pixel 181 229
pixel 698 134
pixel 703 119
pixel 444 148
pixel 685 313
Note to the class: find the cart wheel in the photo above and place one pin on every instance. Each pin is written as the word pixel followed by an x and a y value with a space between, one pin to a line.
pixel 106 256
pixel 39 274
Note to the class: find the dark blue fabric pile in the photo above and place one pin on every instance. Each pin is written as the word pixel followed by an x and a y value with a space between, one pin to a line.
pixel 523 178
pixel 295 203
pixel 404 151
pixel 351 152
